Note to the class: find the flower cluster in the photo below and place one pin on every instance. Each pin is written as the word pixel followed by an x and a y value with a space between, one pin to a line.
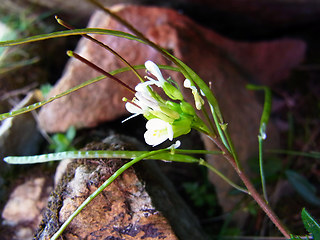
pixel 167 119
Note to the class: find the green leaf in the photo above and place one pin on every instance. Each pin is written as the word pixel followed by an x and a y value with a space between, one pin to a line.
pixel 303 187
pixel 71 133
pixel 267 103
pixel 310 224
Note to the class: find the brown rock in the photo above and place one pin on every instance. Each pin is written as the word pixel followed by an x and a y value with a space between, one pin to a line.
pixel 126 209
pixel 229 65
pixel 22 212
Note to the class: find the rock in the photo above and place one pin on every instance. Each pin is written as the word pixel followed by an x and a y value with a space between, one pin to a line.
pixel 132 207
pixel 19 135
pixel 22 212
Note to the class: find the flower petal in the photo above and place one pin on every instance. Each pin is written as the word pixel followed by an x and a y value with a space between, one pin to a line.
pixel 156 123
pixel 131 108
pixel 151 139
pixel 157 132
pixel 154 70
pixel 187 83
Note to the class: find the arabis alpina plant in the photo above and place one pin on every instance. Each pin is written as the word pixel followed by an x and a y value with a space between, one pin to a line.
pixel 166 119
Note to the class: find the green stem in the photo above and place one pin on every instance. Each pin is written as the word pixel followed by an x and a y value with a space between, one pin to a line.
pixel 205 113
pixel 263 182
pixel 101 188
pixel 216 121
pixel 233 151
pixel 175 155
pixel 216 171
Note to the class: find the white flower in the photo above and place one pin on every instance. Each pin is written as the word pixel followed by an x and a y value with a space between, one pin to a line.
pixel 155 71
pixel 170 90
pixel 197 98
pixel 157 132
pixel 142 103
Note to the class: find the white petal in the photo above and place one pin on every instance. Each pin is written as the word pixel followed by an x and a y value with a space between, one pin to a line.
pixel 156 123
pixel 153 68
pixel 133 108
pixel 152 81
pixel 154 140
pixel 187 83
pixel 157 131
pixel 142 87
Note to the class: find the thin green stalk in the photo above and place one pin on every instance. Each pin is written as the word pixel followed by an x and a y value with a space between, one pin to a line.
pixel 216 171
pixel 224 136
pixel 206 115
pixel 233 151
pixel 216 121
pixel 175 155
pixel 262 129
pixel 263 182
pixel 101 188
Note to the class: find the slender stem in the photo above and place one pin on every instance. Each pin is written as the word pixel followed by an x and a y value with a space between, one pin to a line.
pixel 213 169
pixel 205 113
pixel 233 151
pixel 252 191
pixel 263 182
pixel 216 121
pixel 95 67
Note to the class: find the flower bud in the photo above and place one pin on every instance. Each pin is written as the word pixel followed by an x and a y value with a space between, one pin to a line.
pixel 187 108
pixel 182 126
pixel 172 92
